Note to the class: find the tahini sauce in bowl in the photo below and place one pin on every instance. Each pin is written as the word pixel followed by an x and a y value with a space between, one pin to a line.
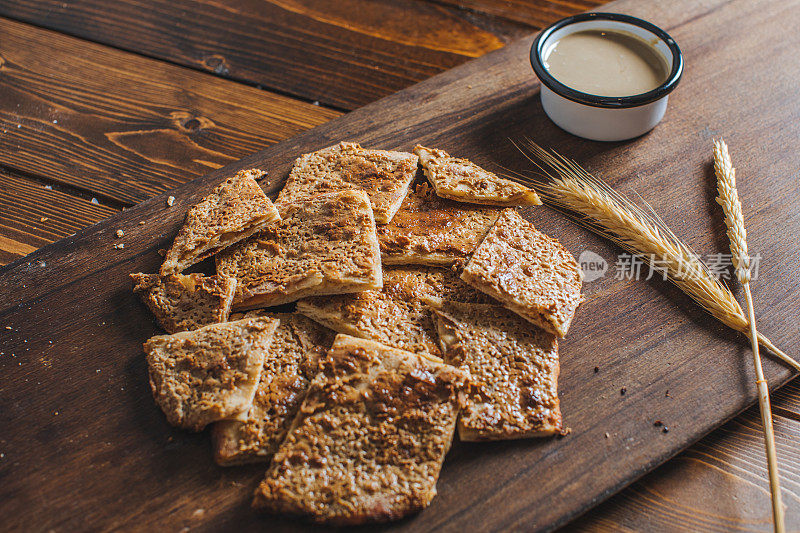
pixel 606 76
pixel 606 63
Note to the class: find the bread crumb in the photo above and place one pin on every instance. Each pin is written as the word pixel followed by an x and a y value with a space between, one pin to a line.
pixel 141 222
pixel 198 513
pixel 171 201
pixel 607 435
pixel 95 202
pixel 119 246
pixel 43 219
pixel 119 233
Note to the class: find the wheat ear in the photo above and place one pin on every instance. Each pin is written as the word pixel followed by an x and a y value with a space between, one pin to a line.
pixel 729 200
pixel 601 209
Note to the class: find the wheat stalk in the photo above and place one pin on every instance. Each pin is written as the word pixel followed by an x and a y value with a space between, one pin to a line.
pixel 729 200
pixel 606 212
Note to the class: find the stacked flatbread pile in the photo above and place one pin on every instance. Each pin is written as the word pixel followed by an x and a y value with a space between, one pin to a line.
pixel 425 305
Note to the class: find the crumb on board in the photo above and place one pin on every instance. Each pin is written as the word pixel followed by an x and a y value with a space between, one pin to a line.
pixel 622 391
pixel 43 219
pixel 141 222
pixel 564 432
pixel 171 201
pixel 119 246
pixel 119 233
pixel 95 201
pixel 607 435
pixel 596 369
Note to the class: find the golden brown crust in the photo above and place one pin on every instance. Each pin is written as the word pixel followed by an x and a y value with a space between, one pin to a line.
pixel 384 176
pixel 236 209
pixel 209 374
pixel 370 438
pixel 397 315
pixel 463 180
pixel 185 302
pixel 428 230
pixel 528 272
pixel 289 366
pixel 514 365
pixel 323 245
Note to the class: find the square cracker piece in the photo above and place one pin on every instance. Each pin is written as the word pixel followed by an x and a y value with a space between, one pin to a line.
pixel 323 245
pixel 514 366
pixel 397 315
pixel 528 272
pixel 289 366
pixel 209 374
pixel 232 212
pixel 428 230
pixel 385 176
pixel 463 180
pixel 370 438
pixel 185 302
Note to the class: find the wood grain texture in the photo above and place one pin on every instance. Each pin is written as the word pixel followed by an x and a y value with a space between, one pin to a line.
pixel 125 127
pixel 644 336
pixel 345 53
pixel 719 484
pixel 32 215
pixel 534 13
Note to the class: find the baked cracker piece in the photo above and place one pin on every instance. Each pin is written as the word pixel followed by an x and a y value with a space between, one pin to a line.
pixel 232 212
pixel 515 368
pixel 208 374
pixel 289 366
pixel 322 245
pixel 463 180
pixel 370 438
pixel 185 302
pixel 385 176
pixel 528 272
pixel 428 230
pixel 397 315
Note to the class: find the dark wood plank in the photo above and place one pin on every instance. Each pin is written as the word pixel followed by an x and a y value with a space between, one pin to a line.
pixel 535 13
pixel 33 214
pixel 719 484
pixel 124 127
pixel 74 469
pixel 344 53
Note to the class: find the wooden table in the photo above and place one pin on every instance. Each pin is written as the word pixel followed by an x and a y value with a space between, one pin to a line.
pixel 103 105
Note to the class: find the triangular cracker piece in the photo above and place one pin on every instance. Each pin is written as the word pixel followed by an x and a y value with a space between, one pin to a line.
pixel 428 230
pixel 232 212
pixel 528 272
pixel 514 365
pixel 289 366
pixel 463 180
pixel 185 302
pixel 370 438
pixel 396 315
pixel 322 245
pixel 384 176
pixel 208 374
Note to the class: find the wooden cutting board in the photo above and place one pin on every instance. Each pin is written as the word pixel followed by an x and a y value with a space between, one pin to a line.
pixel 83 446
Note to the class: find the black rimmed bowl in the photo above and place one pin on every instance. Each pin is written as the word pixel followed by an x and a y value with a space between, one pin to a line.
pixel 605 118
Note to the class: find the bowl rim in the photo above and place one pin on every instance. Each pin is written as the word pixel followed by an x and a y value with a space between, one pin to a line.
pixel 593 100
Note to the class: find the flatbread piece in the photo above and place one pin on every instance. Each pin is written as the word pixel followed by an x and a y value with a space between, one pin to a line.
pixel 209 374
pixel 370 438
pixel 428 230
pixel 384 176
pixel 235 210
pixel 185 302
pixel 528 272
pixel 515 368
pixel 397 315
pixel 323 245
pixel 289 366
pixel 463 180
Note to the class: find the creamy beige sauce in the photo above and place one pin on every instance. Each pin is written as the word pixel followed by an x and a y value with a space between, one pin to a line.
pixel 606 63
